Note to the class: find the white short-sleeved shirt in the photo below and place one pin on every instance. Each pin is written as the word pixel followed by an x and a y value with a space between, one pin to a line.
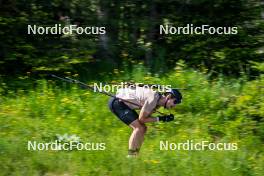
pixel 146 98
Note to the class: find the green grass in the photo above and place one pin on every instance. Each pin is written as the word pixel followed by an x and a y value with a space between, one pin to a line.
pixel 218 110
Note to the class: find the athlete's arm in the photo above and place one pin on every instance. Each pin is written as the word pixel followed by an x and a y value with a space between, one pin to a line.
pixel 144 117
pixel 147 110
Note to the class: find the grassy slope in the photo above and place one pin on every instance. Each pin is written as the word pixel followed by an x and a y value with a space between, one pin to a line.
pixel 217 111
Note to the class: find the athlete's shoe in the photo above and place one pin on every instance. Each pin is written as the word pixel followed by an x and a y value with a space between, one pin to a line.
pixel 132 153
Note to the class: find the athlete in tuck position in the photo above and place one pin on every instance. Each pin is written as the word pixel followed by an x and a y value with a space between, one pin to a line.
pixel 125 102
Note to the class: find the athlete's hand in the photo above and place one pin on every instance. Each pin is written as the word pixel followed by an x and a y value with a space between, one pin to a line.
pixel 166 118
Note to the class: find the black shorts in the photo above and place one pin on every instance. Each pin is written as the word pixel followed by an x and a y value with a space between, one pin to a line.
pixel 122 111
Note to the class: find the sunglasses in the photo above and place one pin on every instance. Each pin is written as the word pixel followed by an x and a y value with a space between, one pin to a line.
pixel 176 102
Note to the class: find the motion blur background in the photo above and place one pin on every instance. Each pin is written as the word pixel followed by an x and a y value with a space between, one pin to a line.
pixel 223 75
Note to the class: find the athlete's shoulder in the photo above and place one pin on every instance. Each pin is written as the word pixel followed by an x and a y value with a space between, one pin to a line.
pixel 151 94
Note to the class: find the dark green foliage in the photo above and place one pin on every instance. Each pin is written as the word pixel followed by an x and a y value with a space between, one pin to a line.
pixel 132 35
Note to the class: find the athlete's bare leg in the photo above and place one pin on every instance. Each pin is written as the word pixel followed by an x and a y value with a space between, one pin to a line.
pixel 137 137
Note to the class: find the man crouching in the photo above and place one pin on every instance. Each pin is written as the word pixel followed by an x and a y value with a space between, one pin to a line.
pixel 125 102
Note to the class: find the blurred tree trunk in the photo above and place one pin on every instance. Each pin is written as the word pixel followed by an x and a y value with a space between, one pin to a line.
pixel 151 34
pixel 105 51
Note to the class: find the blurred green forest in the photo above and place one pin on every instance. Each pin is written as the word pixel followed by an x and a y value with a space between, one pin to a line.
pixel 132 35
pixel 223 75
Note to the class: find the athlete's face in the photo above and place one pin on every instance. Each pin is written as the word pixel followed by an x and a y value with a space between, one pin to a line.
pixel 170 103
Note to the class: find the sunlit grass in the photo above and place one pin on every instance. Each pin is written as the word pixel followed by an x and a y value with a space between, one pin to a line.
pixel 214 110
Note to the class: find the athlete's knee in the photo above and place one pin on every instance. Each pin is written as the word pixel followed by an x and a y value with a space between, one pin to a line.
pixel 145 128
pixel 140 129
